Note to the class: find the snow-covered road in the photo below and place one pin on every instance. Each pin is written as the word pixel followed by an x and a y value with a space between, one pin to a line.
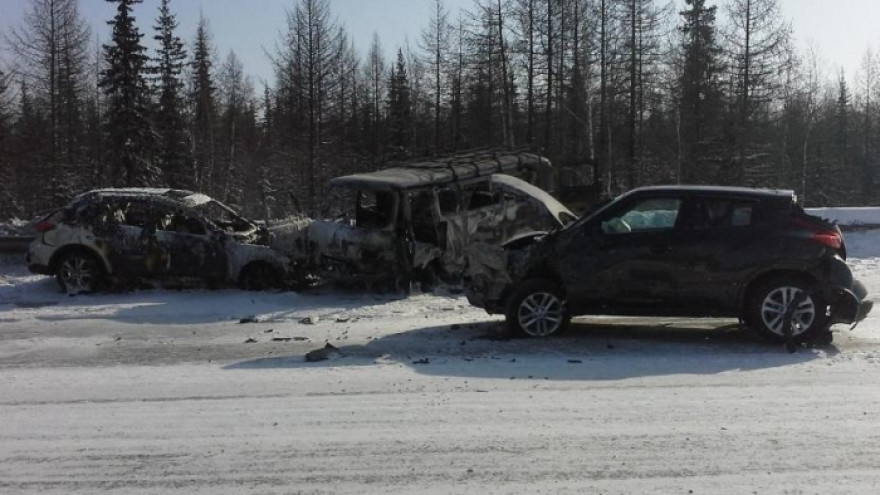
pixel 167 392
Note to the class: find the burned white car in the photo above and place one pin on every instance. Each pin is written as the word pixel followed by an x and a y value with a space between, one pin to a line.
pixel 152 234
pixel 413 222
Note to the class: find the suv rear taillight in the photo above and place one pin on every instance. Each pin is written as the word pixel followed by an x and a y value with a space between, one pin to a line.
pixel 44 226
pixel 828 238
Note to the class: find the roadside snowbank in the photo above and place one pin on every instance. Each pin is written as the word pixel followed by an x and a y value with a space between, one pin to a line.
pixel 850 217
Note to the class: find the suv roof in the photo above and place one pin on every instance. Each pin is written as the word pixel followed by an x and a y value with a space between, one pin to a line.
pixel 188 198
pixel 444 170
pixel 726 190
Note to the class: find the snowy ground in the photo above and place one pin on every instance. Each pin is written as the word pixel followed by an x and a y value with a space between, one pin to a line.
pixel 167 392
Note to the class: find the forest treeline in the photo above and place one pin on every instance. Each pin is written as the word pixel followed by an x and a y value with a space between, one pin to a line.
pixel 617 93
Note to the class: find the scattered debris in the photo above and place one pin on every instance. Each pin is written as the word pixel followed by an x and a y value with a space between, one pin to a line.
pixel 422 361
pixel 310 320
pixel 327 352
pixel 343 319
pixel 250 340
pixel 269 330
pixel 281 339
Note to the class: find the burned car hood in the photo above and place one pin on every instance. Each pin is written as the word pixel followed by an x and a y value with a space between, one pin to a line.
pixel 289 236
pixel 562 214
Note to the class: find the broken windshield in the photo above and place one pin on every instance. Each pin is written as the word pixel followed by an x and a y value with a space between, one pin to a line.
pixel 224 217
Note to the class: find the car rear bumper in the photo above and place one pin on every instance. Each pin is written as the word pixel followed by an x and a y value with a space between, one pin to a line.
pixel 38 257
pixel 850 305
pixel 39 269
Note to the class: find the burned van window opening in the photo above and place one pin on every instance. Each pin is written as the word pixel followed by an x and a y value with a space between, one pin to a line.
pixel 374 209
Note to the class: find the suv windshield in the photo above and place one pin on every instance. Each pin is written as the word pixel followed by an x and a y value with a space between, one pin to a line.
pixel 223 217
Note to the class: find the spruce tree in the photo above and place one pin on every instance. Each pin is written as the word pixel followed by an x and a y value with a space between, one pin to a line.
pixel 123 80
pixel 399 107
pixel 172 155
pixel 700 95
pixel 204 107
pixel 8 205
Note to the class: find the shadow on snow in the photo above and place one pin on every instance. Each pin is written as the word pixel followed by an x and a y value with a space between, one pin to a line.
pixel 592 349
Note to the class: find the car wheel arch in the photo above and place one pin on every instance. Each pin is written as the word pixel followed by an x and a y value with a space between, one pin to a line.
pixel 256 265
pixel 757 281
pixel 542 272
pixel 78 248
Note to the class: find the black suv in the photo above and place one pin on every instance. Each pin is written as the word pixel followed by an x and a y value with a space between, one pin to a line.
pixel 678 251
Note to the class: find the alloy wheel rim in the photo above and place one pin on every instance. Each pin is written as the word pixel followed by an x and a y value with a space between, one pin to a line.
pixel 777 302
pixel 540 314
pixel 77 275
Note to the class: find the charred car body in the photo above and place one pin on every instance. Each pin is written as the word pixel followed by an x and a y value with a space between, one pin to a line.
pixel 413 221
pixel 678 250
pixel 152 233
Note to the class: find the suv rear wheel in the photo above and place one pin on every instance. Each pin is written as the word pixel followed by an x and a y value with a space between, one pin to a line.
pixel 770 301
pixel 537 309
pixel 79 273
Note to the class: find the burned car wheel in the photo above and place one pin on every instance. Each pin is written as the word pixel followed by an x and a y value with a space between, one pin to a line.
pixel 537 309
pixel 260 276
pixel 79 273
pixel 772 299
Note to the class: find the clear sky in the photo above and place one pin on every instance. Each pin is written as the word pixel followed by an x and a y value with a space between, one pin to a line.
pixel 840 29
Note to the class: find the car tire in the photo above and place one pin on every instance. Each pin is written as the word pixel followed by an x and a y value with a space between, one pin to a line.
pixel 537 309
pixel 427 278
pixel 768 303
pixel 79 272
pixel 260 276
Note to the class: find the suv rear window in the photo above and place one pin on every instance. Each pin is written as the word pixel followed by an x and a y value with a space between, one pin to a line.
pixel 715 213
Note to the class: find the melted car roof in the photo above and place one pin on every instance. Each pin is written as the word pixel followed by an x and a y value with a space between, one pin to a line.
pixel 444 170
pixel 188 198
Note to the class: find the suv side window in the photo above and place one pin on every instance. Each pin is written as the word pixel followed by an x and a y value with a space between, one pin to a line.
pixel 715 213
pixel 137 214
pixel 447 199
pixel 175 220
pixel 481 195
pixel 651 214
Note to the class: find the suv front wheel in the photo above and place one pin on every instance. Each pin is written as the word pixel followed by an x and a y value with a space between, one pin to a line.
pixel 772 299
pixel 537 309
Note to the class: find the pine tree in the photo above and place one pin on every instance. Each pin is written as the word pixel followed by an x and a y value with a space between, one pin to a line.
pixel 51 49
pixel 124 83
pixel 757 41
pixel 374 95
pixel 236 127
pixel 843 102
pixel 8 204
pixel 700 95
pixel 202 96
pixel 868 90
pixel 399 107
pixel 435 44
pixel 172 155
